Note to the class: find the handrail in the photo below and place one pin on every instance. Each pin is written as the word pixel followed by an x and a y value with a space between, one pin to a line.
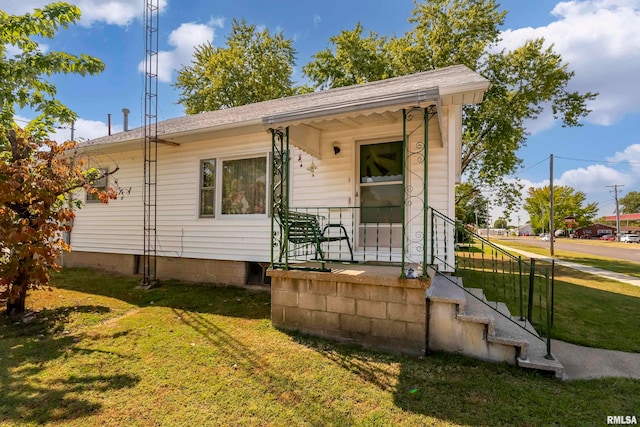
pixel 499 273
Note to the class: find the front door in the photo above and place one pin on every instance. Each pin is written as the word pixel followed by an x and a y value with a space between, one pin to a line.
pixel 380 195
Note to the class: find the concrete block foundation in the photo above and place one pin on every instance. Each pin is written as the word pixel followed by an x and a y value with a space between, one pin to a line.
pixel 373 310
pixel 220 272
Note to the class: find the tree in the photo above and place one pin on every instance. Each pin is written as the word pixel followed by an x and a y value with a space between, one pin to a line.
pixel 35 177
pixel 631 202
pixel 21 76
pixel 471 206
pixel 566 202
pixel 36 174
pixel 500 223
pixel 355 60
pixel 255 66
pixel 449 32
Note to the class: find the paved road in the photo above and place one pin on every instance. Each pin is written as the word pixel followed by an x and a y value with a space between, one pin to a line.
pixel 625 252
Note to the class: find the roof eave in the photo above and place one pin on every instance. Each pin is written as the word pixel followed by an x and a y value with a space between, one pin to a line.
pixel 414 97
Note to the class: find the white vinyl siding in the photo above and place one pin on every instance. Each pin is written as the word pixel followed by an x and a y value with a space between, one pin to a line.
pixel 183 232
pixel 117 227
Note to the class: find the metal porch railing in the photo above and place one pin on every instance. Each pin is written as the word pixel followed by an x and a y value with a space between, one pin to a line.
pixel 374 234
pixel 526 286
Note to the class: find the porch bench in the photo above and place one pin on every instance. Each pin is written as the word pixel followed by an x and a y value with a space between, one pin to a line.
pixel 304 229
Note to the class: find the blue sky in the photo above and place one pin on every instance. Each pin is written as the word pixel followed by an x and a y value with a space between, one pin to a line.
pixel 598 38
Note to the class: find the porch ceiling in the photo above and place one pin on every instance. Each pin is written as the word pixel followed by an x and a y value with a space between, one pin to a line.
pixel 307 135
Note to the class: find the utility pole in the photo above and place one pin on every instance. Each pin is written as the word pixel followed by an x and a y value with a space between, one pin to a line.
pixel 73 128
pixel 551 228
pixel 615 191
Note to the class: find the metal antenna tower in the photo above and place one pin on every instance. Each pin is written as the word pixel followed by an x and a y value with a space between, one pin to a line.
pixel 150 191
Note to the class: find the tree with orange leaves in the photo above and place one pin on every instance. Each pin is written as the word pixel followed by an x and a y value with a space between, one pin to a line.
pixel 36 174
pixel 35 178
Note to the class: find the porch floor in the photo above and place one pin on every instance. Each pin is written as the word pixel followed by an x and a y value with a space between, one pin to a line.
pixel 360 270
pixel 372 273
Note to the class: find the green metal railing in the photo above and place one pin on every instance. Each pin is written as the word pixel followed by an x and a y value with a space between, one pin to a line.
pixel 521 290
pixel 373 234
pixel 524 286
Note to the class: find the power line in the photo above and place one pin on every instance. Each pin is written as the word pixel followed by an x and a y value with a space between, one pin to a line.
pixel 610 162
pixel 531 167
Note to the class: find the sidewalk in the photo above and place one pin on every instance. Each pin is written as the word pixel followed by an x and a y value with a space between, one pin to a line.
pixel 585 362
pixel 631 280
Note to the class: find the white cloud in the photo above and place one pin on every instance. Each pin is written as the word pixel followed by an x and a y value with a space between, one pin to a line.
pixel 631 154
pixel 594 178
pixel 113 12
pixel 600 41
pixel 13 50
pixel 595 181
pixel 83 129
pixel 316 20
pixel 90 129
pixel 184 39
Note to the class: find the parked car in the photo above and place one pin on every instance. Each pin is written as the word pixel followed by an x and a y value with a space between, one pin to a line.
pixel 630 238
pixel 608 237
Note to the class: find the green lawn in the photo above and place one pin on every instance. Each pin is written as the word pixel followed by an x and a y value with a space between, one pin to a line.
pixel 618 266
pixel 101 352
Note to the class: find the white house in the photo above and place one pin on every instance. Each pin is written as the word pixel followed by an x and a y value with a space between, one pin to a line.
pixel 357 155
pixel 346 194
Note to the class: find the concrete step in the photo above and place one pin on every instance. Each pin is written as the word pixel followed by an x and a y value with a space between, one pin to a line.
pixel 511 331
pixel 445 289
pixel 502 329
pixel 476 311
pixel 532 350
pixel 537 359
pixel 477 292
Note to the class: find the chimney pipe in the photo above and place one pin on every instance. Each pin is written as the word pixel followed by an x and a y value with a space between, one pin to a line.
pixel 126 112
pixel 109 123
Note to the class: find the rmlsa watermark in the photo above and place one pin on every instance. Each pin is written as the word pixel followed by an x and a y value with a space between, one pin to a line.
pixel 622 419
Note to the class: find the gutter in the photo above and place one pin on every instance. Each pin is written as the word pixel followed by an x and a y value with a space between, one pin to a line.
pixel 372 103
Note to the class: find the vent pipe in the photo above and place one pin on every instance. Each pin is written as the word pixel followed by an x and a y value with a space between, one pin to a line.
pixel 125 112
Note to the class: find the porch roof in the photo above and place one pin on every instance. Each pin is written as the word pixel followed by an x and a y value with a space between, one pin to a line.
pixel 452 85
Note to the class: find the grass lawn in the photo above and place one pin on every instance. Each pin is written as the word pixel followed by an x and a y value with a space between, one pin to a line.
pixel 588 310
pixel 101 352
pixel 618 266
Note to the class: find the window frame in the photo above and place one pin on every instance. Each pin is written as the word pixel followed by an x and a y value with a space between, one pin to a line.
pixel 93 198
pixel 202 188
pixel 218 185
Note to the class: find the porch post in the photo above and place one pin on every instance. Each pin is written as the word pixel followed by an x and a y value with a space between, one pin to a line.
pixel 403 274
pixel 279 196
pixel 415 194
pixel 425 200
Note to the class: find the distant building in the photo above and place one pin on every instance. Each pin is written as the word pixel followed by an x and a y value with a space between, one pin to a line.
pixel 594 231
pixel 625 219
pixel 524 230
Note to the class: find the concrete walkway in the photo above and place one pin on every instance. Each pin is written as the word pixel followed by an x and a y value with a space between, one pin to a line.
pixel 589 363
pixel 585 362
pixel 625 278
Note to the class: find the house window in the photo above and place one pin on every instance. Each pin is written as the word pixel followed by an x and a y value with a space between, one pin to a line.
pixel 381 185
pixel 235 187
pixel 244 186
pixel 207 187
pixel 99 184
